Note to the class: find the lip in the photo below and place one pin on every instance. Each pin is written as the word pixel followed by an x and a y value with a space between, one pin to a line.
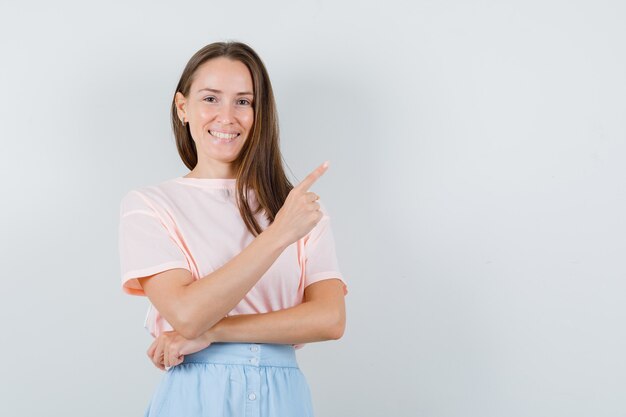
pixel 222 131
pixel 224 141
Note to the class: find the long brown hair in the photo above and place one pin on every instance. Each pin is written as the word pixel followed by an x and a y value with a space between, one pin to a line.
pixel 259 164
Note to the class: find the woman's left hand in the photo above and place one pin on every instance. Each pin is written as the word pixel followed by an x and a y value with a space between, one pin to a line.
pixel 169 348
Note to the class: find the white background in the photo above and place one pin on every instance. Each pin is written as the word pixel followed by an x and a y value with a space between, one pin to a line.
pixel 476 191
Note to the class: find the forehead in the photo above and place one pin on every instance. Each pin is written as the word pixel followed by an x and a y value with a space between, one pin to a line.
pixel 223 74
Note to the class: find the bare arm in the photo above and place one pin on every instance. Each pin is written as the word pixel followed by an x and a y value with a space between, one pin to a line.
pixel 320 317
pixel 195 306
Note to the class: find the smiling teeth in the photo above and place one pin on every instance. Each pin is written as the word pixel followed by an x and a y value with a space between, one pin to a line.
pixel 224 135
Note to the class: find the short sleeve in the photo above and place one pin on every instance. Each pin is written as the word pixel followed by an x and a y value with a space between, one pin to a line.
pixel 321 258
pixel 146 246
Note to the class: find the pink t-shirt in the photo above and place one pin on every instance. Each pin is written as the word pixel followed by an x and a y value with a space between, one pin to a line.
pixel 194 223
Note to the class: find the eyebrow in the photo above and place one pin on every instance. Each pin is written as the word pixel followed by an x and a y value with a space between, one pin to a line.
pixel 219 91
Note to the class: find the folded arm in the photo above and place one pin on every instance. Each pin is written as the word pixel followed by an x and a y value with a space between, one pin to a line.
pixel 321 316
pixel 194 306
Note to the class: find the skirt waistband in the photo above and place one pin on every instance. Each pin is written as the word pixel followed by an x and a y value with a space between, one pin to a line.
pixel 252 354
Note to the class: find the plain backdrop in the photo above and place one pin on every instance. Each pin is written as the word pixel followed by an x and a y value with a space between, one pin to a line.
pixel 476 192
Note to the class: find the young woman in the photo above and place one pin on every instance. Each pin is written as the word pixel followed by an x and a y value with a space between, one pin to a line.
pixel 239 265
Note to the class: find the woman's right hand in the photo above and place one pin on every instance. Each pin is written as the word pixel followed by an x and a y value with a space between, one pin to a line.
pixel 300 212
pixel 169 348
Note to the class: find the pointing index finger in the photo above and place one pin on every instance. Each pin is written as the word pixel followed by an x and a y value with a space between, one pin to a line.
pixel 312 177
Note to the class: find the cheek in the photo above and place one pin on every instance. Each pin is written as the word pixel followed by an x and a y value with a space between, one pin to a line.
pixel 205 114
pixel 247 119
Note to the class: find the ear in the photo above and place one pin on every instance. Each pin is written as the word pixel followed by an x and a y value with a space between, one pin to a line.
pixel 181 105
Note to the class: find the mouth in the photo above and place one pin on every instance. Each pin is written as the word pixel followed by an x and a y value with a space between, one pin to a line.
pixel 223 137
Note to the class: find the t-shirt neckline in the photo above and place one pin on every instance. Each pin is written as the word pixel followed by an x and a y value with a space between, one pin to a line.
pixel 208 182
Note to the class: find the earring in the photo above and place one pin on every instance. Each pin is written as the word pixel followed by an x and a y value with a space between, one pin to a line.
pixel 183 121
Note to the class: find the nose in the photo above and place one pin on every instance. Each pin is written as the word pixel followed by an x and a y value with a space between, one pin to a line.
pixel 225 114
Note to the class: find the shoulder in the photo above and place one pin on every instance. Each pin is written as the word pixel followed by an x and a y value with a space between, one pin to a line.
pixel 134 200
pixel 147 197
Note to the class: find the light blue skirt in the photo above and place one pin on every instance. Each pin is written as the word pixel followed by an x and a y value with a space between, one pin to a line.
pixel 234 380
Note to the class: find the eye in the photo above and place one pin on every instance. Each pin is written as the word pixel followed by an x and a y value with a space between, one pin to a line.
pixel 244 101
pixel 210 97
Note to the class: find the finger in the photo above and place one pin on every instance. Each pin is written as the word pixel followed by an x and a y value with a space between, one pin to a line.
pixel 312 177
pixel 175 360
pixel 312 196
pixel 157 357
pixel 174 354
pixel 159 364
pixel 170 355
pixel 151 348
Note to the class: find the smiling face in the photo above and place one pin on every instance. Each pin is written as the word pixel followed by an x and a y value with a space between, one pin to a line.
pixel 220 114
